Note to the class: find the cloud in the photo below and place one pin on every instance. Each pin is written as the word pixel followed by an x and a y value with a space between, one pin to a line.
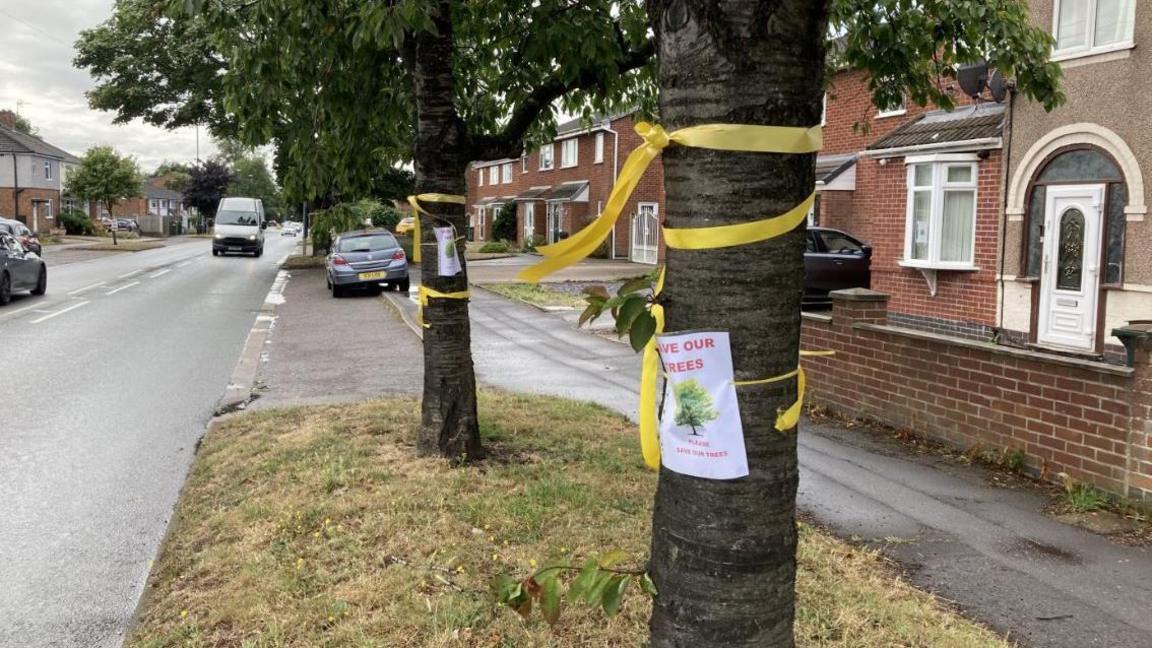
pixel 36 71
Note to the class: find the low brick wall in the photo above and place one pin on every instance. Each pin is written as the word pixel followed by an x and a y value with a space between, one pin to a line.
pixel 1084 418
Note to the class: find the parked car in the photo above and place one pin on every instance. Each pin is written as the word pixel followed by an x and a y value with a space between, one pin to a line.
pixel 290 229
pixel 20 269
pixel 834 260
pixel 19 230
pixel 239 226
pixel 406 225
pixel 366 259
pixel 127 225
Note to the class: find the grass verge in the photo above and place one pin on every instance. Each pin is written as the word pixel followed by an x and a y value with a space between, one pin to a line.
pixel 319 527
pixel 123 246
pixel 300 262
pixel 536 294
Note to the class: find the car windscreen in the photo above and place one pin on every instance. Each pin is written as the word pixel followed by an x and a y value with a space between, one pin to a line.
pixel 369 243
pixel 229 217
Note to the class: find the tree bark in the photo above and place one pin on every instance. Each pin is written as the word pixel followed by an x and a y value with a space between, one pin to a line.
pixel 449 425
pixel 724 552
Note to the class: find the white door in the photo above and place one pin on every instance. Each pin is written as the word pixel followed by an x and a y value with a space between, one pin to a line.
pixel 645 233
pixel 555 214
pixel 529 222
pixel 1070 280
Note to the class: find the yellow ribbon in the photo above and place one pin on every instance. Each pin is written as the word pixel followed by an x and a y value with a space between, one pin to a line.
pixel 727 137
pixel 425 293
pixel 417 241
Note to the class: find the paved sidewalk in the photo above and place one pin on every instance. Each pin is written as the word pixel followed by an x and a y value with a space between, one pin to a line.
pixel 990 549
pixel 504 270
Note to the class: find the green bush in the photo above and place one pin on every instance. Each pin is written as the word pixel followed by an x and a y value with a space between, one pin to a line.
pixel 380 214
pixel 494 247
pixel 77 223
pixel 504 227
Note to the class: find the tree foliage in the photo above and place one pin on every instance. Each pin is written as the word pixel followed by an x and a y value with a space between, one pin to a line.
pixel 208 182
pixel 251 177
pixel 504 226
pixel 693 405
pixel 105 176
pixel 23 125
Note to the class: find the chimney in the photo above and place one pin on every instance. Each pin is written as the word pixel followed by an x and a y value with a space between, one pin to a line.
pixel 8 119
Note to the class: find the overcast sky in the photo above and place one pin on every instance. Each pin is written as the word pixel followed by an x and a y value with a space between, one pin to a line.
pixel 36 69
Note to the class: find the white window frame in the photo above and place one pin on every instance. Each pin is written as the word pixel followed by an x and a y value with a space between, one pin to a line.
pixel 1090 29
pixel 154 204
pixel 524 164
pixel 494 174
pixel 565 163
pixel 598 158
pixel 506 172
pixel 480 177
pixel 940 164
pixel 824 110
pixel 902 109
pixel 47 169
pixel 547 162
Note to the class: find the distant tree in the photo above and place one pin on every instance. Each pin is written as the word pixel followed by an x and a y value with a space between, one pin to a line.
pixel 394 184
pixel 208 182
pixel 25 126
pixel 693 405
pixel 504 227
pixel 106 177
pixel 231 150
pixel 175 175
pixel 251 177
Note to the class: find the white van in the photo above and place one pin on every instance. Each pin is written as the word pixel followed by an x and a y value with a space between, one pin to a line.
pixel 239 226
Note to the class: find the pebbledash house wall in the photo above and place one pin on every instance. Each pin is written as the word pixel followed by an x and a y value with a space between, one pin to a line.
pixel 876 212
pixel 620 139
pixel 1087 419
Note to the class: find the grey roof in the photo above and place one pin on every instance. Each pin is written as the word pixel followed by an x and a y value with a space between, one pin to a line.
pixel 161 193
pixel 579 124
pixel 487 201
pixel 961 125
pixel 533 193
pixel 566 191
pixel 13 141
pixel 830 166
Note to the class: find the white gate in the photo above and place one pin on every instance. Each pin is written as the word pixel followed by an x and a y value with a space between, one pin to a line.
pixel 646 233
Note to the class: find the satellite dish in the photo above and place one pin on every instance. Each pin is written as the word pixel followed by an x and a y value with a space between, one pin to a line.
pixel 998 86
pixel 972 78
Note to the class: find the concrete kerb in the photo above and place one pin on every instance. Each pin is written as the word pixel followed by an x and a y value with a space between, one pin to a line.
pixel 243 381
pixel 394 300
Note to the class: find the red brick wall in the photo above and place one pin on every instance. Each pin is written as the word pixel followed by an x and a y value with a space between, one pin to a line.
pixel 837 209
pixel 8 204
pixel 599 176
pixel 1066 415
pixel 881 203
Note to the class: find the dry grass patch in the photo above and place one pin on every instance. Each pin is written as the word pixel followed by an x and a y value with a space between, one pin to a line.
pixel 319 527
pixel 301 262
pixel 537 294
pixel 122 246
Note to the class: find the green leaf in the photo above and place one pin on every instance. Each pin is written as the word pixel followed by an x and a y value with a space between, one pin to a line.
pixel 634 284
pixel 632 307
pixel 505 588
pixel 643 328
pixel 598 292
pixel 612 558
pixel 613 594
pixel 584 582
pixel 550 601
pixel 590 314
pixel 600 582
pixel 647 586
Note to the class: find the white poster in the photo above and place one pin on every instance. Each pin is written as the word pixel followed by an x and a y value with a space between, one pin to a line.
pixel 700 430
pixel 449 260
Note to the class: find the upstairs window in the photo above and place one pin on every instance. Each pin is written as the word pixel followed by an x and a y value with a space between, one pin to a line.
pixel 546 152
pixel 506 172
pixel 940 230
pixel 599 148
pixel 47 170
pixel 494 175
pixel 569 152
pixel 480 178
pixel 893 110
pixel 1091 26
pixel 524 164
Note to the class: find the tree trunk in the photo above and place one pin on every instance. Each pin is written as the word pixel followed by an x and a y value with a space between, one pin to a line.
pixel 724 552
pixel 449 424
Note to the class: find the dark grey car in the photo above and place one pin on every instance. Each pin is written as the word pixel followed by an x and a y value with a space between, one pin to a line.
pixel 26 237
pixel 366 259
pixel 20 270
pixel 834 260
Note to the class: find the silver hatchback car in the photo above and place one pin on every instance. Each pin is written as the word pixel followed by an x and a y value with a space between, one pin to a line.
pixel 366 259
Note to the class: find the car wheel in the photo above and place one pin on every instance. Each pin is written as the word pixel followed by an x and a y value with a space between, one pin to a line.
pixel 402 286
pixel 215 252
pixel 5 289
pixel 259 251
pixel 337 291
pixel 41 283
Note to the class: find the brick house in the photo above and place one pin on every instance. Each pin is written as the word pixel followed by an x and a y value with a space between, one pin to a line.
pixel 32 175
pixel 153 209
pixel 1077 260
pixel 562 186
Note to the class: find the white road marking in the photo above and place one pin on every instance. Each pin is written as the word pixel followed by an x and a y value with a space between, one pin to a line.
pixel 80 290
pixel 130 274
pixel 181 265
pixel 60 312
pixel 20 310
pixel 127 285
pixel 159 273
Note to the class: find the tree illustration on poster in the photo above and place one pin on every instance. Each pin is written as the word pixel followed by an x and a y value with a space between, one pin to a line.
pixel 693 405
pixel 450 248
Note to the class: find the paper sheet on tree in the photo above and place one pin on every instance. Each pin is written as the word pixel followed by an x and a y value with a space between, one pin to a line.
pixel 449 260
pixel 700 430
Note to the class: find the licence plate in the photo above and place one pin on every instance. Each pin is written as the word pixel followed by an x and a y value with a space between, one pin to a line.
pixel 368 276
pixel 234 248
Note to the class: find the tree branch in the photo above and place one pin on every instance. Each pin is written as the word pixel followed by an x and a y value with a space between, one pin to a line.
pixel 510 141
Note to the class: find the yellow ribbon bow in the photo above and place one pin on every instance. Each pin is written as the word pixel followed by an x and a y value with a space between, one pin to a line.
pixel 417 241
pixel 425 293
pixel 727 137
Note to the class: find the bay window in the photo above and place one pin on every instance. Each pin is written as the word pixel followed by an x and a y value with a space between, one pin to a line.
pixel 940 229
pixel 1084 27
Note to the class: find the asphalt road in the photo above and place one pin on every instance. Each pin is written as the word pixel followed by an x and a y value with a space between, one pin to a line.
pixel 109 381
pixel 989 549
